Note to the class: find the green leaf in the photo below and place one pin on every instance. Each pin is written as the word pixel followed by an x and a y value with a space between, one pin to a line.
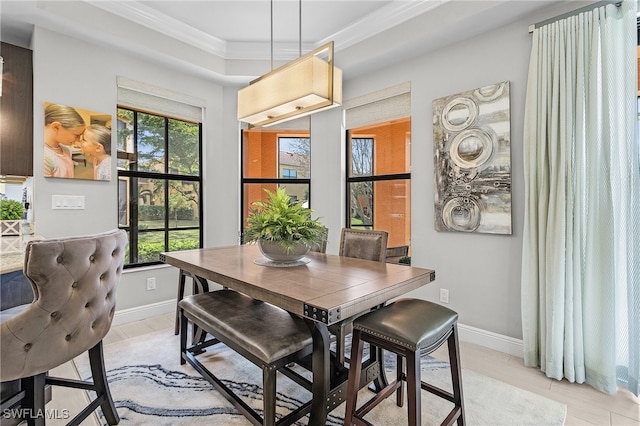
pixel 280 219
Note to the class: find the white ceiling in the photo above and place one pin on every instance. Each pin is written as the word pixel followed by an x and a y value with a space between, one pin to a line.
pixel 230 40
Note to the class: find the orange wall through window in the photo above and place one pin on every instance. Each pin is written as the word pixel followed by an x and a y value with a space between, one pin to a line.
pixel 260 160
pixel 392 198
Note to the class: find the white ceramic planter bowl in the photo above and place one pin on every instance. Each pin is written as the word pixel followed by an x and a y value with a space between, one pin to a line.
pixel 273 250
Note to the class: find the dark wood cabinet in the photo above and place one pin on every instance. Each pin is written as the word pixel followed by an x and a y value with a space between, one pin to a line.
pixel 16 111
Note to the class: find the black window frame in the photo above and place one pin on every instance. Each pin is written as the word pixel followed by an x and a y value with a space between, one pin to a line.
pixel 132 227
pixel 369 178
pixel 278 181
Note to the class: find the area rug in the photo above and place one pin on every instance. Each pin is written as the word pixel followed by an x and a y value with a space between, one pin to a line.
pixel 150 387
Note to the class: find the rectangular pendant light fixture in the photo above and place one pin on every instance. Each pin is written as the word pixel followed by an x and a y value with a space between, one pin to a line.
pixel 301 87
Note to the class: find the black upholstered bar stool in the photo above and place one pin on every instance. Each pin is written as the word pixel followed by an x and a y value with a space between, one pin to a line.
pixel 408 328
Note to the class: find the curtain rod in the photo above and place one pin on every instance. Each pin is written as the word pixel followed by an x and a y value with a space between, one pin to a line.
pixel 532 27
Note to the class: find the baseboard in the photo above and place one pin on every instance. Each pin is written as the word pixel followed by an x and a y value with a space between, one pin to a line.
pixel 469 334
pixel 143 312
pixel 491 340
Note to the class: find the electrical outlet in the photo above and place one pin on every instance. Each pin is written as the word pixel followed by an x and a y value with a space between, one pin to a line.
pixel 151 283
pixel 444 295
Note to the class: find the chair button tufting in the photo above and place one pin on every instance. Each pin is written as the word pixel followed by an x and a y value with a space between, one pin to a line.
pixel 75 284
pixel 92 258
pixel 67 337
pixel 87 305
pixel 54 314
pixel 59 259
pixel 102 276
pixel 93 325
pixel 27 346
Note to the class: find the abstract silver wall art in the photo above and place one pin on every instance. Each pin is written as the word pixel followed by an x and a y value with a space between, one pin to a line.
pixel 472 149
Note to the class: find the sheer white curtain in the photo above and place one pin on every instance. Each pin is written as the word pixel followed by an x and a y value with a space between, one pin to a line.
pixel 581 254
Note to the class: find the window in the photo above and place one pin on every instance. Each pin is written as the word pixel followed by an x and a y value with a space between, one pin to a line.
pixel 159 184
pixel 276 158
pixel 289 174
pixel 379 179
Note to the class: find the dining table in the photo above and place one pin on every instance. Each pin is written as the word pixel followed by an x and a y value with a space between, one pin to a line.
pixel 323 289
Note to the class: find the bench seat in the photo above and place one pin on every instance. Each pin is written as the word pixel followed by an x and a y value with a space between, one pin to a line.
pixel 264 334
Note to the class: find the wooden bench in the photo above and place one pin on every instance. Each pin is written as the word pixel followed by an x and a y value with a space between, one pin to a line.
pixel 269 337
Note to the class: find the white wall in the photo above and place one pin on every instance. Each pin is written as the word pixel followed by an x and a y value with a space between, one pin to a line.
pixel 481 271
pixel 76 73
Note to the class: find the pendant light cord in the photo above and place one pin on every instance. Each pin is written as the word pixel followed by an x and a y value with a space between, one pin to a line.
pixel 299 27
pixel 271 35
pixel 299 30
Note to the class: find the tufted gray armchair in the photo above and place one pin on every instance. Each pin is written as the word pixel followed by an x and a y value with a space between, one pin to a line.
pixel 74 282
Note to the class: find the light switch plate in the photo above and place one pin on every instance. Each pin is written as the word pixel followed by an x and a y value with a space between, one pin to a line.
pixel 67 202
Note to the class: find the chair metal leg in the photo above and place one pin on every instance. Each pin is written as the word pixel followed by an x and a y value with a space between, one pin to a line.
pixel 96 360
pixel 33 402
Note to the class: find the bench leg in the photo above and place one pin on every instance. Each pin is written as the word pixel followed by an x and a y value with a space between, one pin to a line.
pixel 269 395
pixel 183 336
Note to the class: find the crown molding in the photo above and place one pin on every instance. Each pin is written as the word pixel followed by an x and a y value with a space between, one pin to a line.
pixel 386 17
pixel 262 50
pixel 390 15
pixel 150 18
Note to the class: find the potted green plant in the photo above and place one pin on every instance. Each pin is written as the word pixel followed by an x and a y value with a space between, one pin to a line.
pixel 283 229
pixel 10 217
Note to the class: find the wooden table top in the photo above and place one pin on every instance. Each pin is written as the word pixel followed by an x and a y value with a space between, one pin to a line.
pixel 327 289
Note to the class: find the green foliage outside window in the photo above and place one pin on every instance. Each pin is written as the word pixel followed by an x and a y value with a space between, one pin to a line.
pixel 150 251
pixel 160 163
pixel 146 213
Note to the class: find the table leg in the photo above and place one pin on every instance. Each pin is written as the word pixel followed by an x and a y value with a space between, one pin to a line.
pixel 200 285
pixel 321 360
pixel 377 354
pixel 182 282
